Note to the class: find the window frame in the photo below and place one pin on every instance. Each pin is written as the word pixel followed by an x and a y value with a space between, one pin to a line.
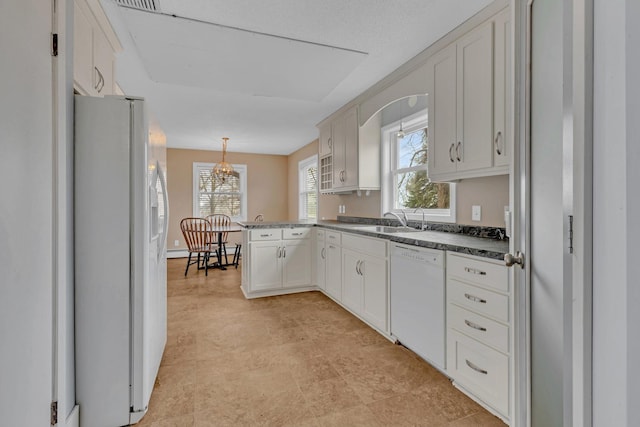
pixel 389 171
pixel 242 171
pixel 302 166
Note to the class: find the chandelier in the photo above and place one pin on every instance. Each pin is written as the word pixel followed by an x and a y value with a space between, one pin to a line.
pixel 223 169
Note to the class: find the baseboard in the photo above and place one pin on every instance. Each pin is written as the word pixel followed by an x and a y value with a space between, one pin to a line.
pixel 73 420
pixel 177 253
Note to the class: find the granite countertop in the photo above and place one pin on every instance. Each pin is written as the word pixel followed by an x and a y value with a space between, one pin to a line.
pixel 449 241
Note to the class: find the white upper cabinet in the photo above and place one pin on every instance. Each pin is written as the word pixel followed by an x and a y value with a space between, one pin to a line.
pixel 94 44
pixel 325 142
pixel 467 105
pixel 354 161
pixel 501 93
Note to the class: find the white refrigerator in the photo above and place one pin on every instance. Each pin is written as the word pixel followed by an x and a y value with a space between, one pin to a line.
pixel 120 227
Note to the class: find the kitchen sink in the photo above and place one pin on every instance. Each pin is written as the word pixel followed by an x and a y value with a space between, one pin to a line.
pixel 386 229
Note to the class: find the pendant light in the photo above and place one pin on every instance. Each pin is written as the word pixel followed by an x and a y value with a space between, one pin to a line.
pixel 223 169
pixel 400 133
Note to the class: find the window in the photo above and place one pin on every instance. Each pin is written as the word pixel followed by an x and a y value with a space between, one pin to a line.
pixel 308 188
pixel 406 185
pixel 213 195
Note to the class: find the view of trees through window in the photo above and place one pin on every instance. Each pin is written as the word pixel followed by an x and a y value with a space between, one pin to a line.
pixel 219 195
pixel 413 187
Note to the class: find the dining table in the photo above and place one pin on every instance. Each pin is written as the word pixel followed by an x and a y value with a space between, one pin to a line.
pixel 219 231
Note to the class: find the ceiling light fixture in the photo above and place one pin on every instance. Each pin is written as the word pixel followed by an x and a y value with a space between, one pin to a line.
pixel 223 169
pixel 400 133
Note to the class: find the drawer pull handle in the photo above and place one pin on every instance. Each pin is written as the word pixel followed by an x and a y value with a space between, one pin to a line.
pixel 475 326
pixel 475 271
pixel 265 235
pixel 296 234
pixel 475 298
pixel 475 368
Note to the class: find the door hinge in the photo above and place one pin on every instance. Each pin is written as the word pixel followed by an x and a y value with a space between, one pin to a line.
pixel 54 44
pixel 570 234
pixel 54 413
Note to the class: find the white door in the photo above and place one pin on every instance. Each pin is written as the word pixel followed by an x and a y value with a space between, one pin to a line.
pixel 352 280
pixel 27 214
pixel 334 271
pixel 266 265
pixel 442 111
pixel 474 147
pixel 374 304
pixel 296 263
pixel 551 345
pixel 321 262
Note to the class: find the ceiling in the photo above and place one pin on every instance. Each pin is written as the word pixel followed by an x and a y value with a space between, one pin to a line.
pixel 264 73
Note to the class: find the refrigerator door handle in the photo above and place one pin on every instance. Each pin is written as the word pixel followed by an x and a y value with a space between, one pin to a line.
pixel 165 198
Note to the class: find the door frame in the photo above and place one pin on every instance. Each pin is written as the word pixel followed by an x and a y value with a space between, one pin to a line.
pixel 577 200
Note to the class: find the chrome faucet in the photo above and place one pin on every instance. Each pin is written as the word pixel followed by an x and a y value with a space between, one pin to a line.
pixel 403 220
pixel 423 225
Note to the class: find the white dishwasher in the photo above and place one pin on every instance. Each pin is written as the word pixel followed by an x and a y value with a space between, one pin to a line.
pixel 418 301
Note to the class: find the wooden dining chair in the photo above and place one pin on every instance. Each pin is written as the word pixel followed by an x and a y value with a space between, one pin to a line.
pixel 221 220
pixel 197 234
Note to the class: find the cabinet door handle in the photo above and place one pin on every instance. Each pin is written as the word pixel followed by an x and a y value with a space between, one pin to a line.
pixel 496 143
pixel 279 252
pixel 475 367
pixel 357 264
pixel 322 253
pixel 458 151
pixel 475 271
pixel 475 298
pixel 360 267
pixel 451 154
pixel 100 83
pixel 284 252
pixel 330 143
pixel 475 326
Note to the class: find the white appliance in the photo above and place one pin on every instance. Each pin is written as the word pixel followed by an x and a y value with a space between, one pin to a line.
pixel 120 227
pixel 418 301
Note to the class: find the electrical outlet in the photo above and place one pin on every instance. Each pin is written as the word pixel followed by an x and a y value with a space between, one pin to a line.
pixel 176 243
pixel 476 213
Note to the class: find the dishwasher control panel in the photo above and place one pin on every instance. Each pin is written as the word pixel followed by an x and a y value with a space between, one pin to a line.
pixel 432 256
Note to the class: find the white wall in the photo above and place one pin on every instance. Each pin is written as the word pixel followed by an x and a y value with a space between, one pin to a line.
pixel 616 313
pixel 26 220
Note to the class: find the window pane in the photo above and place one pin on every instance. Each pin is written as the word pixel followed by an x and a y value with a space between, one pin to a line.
pixel 228 204
pixel 412 149
pixel 414 190
pixel 311 178
pixel 311 205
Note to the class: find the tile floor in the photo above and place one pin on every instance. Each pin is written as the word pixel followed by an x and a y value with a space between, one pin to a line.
pixel 294 360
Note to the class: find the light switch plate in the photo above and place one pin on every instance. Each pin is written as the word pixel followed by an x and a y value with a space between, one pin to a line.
pixel 476 213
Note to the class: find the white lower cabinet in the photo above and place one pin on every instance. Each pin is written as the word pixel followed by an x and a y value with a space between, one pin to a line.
pixel 333 276
pixel 277 259
pixel 321 259
pixel 365 282
pixel 480 330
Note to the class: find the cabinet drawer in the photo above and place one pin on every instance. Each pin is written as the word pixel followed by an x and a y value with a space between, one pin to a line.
pixel 478 299
pixel 334 237
pixel 296 233
pixel 480 369
pixel 320 234
pixel 266 234
pixel 479 327
pixel 368 245
pixel 478 272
